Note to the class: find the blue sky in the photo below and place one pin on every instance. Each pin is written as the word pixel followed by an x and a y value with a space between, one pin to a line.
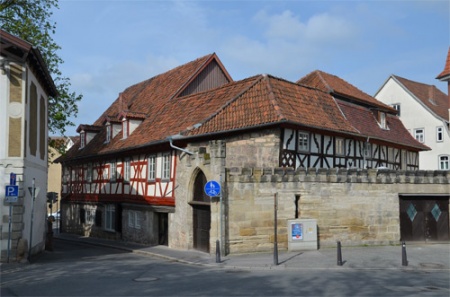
pixel 110 45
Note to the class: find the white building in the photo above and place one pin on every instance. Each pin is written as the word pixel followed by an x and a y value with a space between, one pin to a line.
pixel 25 86
pixel 425 112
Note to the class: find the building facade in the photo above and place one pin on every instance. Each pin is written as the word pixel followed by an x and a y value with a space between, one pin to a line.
pixel 138 173
pixel 25 85
pixel 425 112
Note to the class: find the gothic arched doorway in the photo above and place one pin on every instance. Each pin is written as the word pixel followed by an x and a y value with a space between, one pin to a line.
pixel 201 214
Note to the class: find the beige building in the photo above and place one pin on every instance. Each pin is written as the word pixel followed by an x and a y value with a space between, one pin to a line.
pixel 25 86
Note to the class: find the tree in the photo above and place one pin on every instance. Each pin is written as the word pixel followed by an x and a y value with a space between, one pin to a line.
pixel 31 21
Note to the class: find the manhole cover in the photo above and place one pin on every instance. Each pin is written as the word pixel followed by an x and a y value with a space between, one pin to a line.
pixel 431 265
pixel 145 279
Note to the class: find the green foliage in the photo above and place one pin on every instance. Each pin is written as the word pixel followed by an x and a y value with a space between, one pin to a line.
pixel 31 21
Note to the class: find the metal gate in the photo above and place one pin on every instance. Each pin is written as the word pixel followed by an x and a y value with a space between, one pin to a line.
pixel 201 214
pixel 424 218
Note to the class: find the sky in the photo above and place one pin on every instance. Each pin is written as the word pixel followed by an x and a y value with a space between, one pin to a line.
pixel 110 45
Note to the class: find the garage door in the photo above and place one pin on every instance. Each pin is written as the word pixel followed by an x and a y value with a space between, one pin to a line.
pixel 424 218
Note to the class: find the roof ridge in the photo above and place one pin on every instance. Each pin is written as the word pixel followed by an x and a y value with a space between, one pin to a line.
pixel 272 98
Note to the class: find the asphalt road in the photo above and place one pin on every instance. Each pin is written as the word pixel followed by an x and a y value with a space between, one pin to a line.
pixel 75 269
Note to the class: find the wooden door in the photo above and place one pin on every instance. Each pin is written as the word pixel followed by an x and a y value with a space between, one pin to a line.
pixel 424 218
pixel 201 214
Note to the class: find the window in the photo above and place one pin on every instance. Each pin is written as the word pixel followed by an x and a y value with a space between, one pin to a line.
pixel 124 128
pixel 419 134
pixel 82 139
pixel 368 150
pixel 444 163
pixel 126 170
pixel 105 173
pixel 88 176
pixel 397 108
pixel 166 167
pixel 151 168
pixel 303 141
pixel 113 169
pixel 382 119
pixel 134 219
pixel 439 134
pixel 340 146
pixel 108 132
pixel 110 218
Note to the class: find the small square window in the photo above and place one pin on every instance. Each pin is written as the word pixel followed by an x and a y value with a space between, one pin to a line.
pixel 303 141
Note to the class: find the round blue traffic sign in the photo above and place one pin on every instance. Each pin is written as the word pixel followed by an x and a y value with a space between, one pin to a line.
pixel 212 188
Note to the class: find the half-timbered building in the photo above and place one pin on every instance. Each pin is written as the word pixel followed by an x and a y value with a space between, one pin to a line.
pixel 138 173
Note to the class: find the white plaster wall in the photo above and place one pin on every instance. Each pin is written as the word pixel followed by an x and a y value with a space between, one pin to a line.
pixel 414 115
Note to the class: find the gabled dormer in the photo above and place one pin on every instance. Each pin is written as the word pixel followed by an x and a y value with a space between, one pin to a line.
pixel 130 121
pixel 381 119
pixel 87 133
pixel 113 127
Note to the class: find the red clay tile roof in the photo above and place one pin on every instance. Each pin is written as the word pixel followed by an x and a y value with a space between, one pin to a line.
pixel 247 104
pixel 446 71
pixel 339 87
pixel 429 95
pixel 365 122
pixel 270 100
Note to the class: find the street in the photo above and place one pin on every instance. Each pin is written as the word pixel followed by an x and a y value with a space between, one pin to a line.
pixel 76 269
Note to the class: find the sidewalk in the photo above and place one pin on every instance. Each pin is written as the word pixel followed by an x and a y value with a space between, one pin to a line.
pixel 420 256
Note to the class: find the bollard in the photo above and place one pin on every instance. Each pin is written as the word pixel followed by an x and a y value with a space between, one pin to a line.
pixel 217 251
pixel 404 258
pixel 339 254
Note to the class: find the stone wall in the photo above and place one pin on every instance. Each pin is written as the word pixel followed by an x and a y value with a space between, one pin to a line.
pixel 355 207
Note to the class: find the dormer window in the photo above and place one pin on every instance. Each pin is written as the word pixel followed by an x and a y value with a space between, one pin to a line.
pixel 382 120
pixel 82 139
pixel 124 128
pixel 108 132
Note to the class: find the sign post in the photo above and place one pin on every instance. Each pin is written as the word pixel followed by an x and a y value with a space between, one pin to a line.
pixel 212 189
pixel 11 196
pixel 34 192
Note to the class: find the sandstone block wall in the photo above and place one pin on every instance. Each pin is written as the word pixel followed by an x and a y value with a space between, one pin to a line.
pixel 355 207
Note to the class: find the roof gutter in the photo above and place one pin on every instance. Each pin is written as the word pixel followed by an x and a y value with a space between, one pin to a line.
pixel 170 138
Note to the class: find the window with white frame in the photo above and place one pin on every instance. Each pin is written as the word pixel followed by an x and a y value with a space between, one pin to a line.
pixel 439 134
pixel 303 141
pixel 382 118
pixel 444 162
pixel 396 106
pixel 89 170
pixel 166 167
pixel 126 170
pixel 134 219
pixel 110 217
pixel 151 167
pixel 105 172
pixel 82 139
pixel 124 128
pixel 340 146
pixel 113 169
pixel 108 132
pixel 419 135
pixel 368 150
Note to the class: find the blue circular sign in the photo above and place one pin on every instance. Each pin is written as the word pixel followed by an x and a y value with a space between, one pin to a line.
pixel 212 188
